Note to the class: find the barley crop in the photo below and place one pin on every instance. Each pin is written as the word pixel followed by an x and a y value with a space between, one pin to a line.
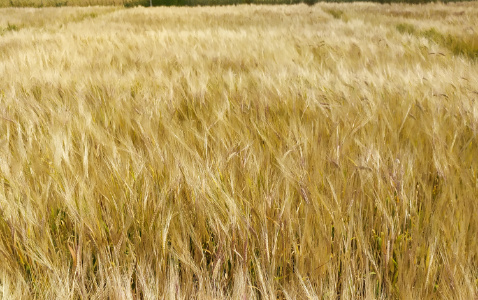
pixel 239 152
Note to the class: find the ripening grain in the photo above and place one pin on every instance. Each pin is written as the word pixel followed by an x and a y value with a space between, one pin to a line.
pixel 249 152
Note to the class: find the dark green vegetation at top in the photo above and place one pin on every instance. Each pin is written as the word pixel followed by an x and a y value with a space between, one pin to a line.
pixel 132 3
pixel 233 2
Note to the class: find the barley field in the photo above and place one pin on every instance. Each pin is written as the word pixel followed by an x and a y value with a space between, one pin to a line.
pixel 239 152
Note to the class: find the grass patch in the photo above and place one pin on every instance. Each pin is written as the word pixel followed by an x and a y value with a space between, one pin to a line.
pixel 406 28
pixel 61 3
pixel 10 28
pixel 337 14
pixel 459 45
pixel 466 46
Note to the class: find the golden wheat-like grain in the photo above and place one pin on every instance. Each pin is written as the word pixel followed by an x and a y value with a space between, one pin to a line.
pixel 246 152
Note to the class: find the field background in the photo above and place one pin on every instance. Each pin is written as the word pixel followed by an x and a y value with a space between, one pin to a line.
pixel 248 152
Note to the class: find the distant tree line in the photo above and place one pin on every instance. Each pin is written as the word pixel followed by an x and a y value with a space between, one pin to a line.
pixel 235 2
pixel 132 3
